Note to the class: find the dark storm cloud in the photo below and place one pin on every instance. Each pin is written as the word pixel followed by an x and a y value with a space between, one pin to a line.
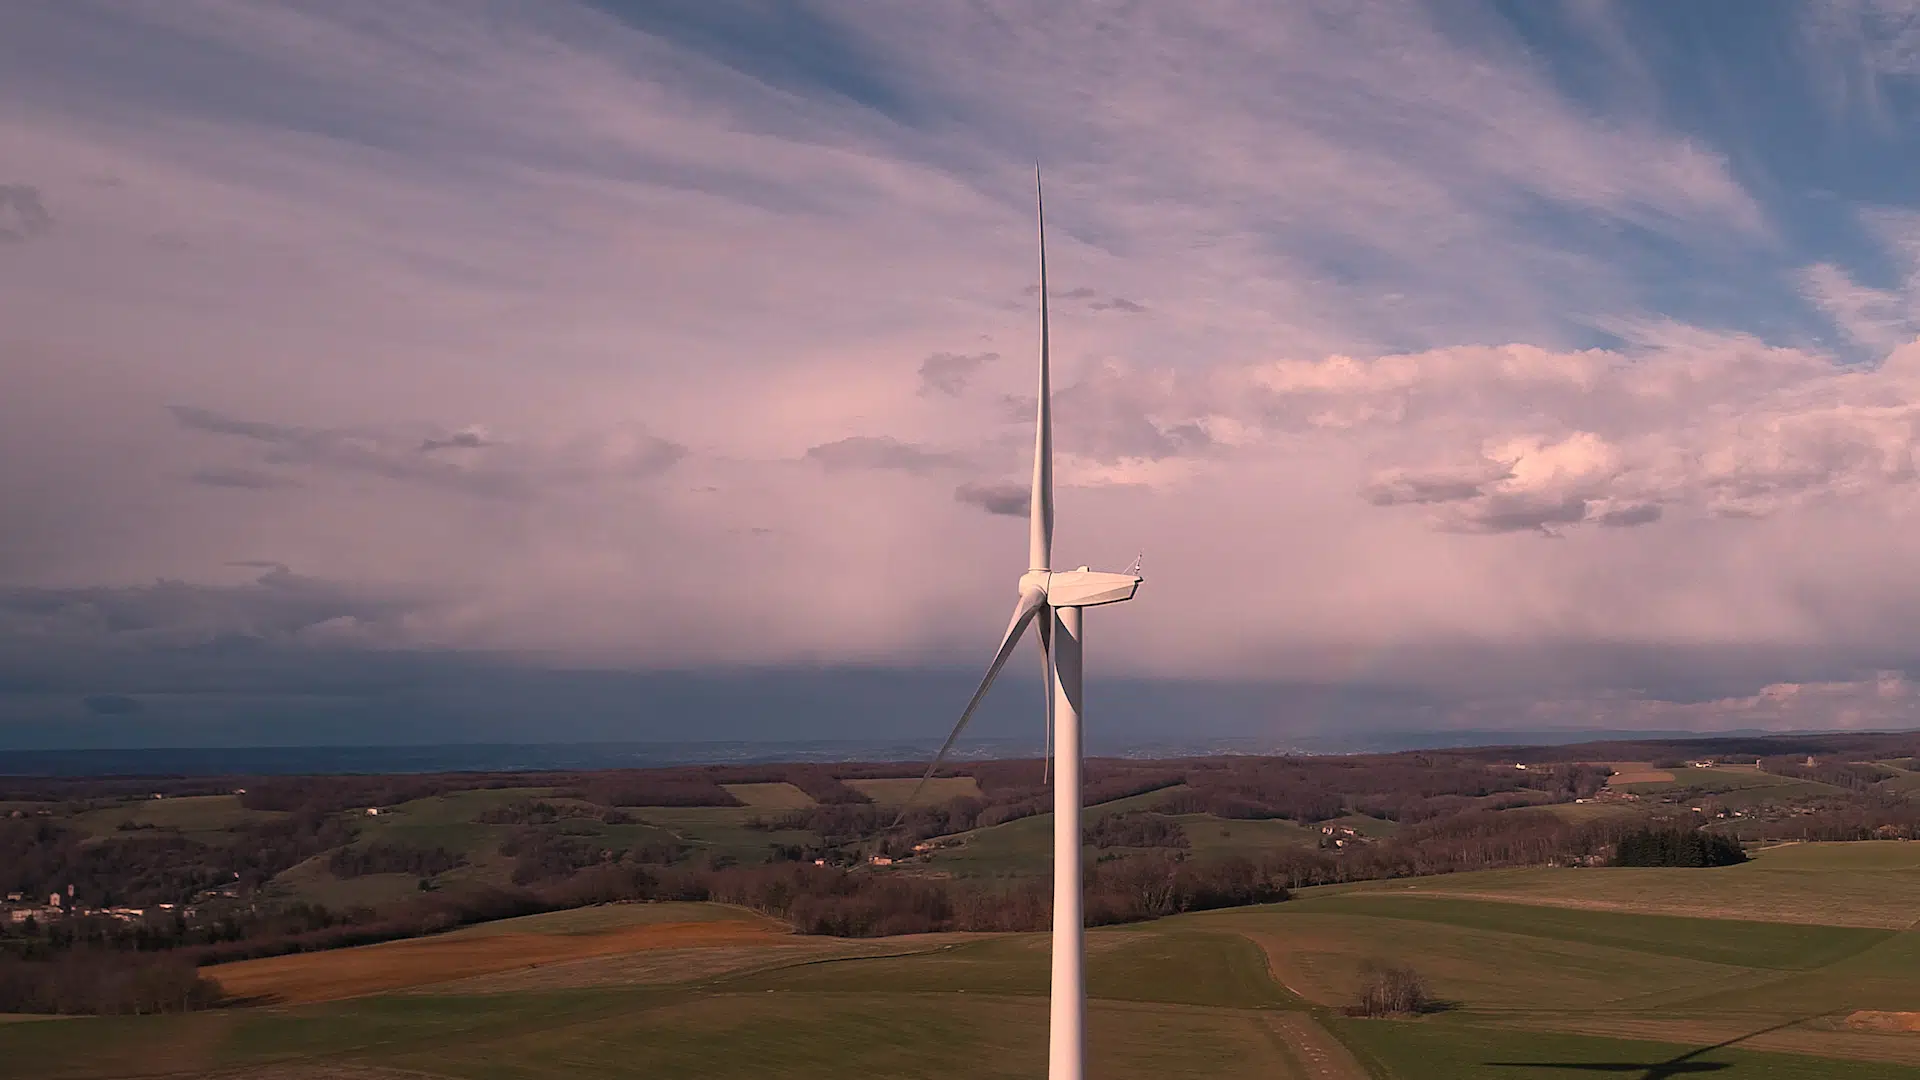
pixel 219 424
pixel 1521 512
pixel 949 373
pixel 1011 500
pixel 1399 488
pixel 880 452
pixel 358 452
pixel 279 605
pixel 459 440
pixel 242 478
pixel 499 471
pixel 1090 299
pixel 22 213
pixel 256 692
pixel 111 704
pixel 1628 516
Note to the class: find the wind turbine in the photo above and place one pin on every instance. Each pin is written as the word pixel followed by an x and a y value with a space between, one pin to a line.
pixel 1054 598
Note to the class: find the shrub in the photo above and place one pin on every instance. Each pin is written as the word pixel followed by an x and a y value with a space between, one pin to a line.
pixel 381 857
pixel 1391 991
pixel 1136 829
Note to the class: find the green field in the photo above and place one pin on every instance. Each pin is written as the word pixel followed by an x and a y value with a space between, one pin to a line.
pixel 892 791
pixel 1549 986
pixel 202 817
pixel 1024 846
pixel 1738 788
pixel 1866 884
pixel 1212 836
pixel 1904 778
pixel 452 821
pixel 1412 1050
pixel 775 796
pixel 1581 813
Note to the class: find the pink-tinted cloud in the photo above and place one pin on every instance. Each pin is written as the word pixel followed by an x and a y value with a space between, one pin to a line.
pixel 601 349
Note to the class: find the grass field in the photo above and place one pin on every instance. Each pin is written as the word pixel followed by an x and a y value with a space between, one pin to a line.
pixel 1736 789
pixel 1904 778
pixel 777 796
pixel 203 817
pixel 1592 811
pixel 1025 846
pixel 312 882
pixel 1552 986
pixel 1211 836
pixel 721 830
pixel 1867 884
pixel 452 822
pixel 892 791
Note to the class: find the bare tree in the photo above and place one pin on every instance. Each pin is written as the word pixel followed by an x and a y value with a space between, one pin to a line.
pixel 1391 991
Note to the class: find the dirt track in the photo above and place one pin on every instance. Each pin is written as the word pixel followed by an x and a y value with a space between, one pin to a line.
pixel 1318 1054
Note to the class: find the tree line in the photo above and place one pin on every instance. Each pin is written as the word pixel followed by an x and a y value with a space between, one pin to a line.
pixel 1676 847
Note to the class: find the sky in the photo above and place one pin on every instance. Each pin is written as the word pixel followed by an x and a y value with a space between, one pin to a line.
pixel 663 369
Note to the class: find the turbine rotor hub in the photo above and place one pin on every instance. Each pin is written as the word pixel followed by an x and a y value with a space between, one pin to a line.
pixel 1083 587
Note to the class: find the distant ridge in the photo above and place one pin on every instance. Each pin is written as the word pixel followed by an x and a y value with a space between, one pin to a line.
pixel 535 757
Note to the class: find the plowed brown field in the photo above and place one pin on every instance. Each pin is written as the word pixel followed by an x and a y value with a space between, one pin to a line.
pixel 394 965
pixel 1636 772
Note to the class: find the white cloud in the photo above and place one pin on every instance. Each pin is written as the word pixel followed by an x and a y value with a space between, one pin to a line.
pixel 1874 318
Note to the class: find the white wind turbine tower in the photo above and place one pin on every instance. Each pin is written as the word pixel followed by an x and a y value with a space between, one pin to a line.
pixel 1054 598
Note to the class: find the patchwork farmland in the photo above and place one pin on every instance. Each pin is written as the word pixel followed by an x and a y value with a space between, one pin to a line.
pixel 1529 976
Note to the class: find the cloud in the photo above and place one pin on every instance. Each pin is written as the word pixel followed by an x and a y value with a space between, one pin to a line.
pixel 459 440
pixel 1399 486
pixel 23 215
pixel 277 606
pixel 512 471
pixel 1524 511
pixel 1082 297
pixel 1876 319
pixel 1716 425
pixel 1415 300
pixel 949 373
pixel 1873 318
pixel 1011 500
pixel 218 424
pixel 1629 515
pixel 1116 412
pixel 111 704
pixel 880 452
pixel 242 478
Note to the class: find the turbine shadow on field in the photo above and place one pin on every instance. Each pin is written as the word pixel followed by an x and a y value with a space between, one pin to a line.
pixel 1682 1065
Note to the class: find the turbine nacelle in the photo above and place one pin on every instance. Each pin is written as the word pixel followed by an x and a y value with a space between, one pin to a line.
pixel 1080 588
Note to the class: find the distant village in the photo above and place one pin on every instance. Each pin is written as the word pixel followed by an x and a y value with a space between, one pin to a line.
pixel 23 911
pixel 20 910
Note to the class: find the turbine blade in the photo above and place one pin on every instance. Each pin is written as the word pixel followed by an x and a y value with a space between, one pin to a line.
pixel 1040 512
pixel 1023 612
pixel 1046 689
